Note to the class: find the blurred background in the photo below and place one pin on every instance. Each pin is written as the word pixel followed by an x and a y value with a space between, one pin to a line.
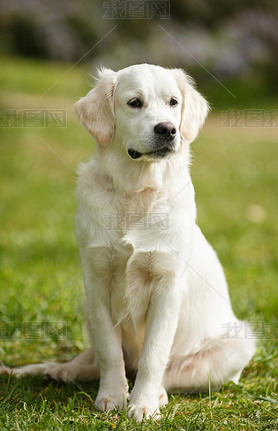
pixel 48 50
pixel 48 54
pixel 233 39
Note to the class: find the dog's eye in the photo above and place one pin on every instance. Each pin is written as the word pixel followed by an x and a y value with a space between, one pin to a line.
pixel 173 102
pixel 135 103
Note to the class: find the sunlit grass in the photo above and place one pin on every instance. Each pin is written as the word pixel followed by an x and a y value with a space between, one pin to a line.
pixel 235 176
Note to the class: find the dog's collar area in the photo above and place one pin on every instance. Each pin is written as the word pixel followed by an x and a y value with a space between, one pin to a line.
pixel 161 152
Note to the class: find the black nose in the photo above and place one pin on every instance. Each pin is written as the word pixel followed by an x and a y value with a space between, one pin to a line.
pixel 165 130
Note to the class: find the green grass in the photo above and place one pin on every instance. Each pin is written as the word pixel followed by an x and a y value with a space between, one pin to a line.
pixel 235 176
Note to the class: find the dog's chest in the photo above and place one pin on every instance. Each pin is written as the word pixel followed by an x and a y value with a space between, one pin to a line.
pixel 132 270
pixel 128 242
pixel 131 285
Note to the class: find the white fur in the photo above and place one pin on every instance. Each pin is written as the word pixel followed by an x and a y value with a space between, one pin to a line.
pixel 157 299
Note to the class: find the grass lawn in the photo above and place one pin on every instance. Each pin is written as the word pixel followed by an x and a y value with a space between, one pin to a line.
pixel 235 176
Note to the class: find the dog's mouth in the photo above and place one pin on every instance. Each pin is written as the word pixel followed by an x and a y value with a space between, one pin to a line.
pixel 159 153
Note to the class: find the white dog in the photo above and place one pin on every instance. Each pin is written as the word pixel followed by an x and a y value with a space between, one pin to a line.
pixel 157 299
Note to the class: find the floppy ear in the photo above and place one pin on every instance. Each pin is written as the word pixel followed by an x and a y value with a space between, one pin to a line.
pixel 96 111
pixel 194 107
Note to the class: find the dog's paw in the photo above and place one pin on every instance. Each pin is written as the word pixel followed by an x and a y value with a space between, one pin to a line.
pixel 57 372
pixel 144 406
pixel 51 370
pixel 5 370
pixel 140 412
pixel 163 397
pixel 112 398
pixel 26 370
pixel 108 403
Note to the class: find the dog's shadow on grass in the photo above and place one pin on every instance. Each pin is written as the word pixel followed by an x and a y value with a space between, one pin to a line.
pixel 37 390
pixel 39 400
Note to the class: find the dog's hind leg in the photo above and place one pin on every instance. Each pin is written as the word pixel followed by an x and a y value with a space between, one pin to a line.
pixel 82 367
pixel 217 363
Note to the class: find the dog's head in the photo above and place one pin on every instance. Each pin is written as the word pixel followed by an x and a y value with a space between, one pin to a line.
pixel 146 110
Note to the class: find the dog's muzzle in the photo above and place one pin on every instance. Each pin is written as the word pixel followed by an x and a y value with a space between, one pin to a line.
pixel 165 134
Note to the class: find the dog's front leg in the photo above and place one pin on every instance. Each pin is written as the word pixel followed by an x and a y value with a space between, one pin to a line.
pixel 113 387
pixel 162 319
